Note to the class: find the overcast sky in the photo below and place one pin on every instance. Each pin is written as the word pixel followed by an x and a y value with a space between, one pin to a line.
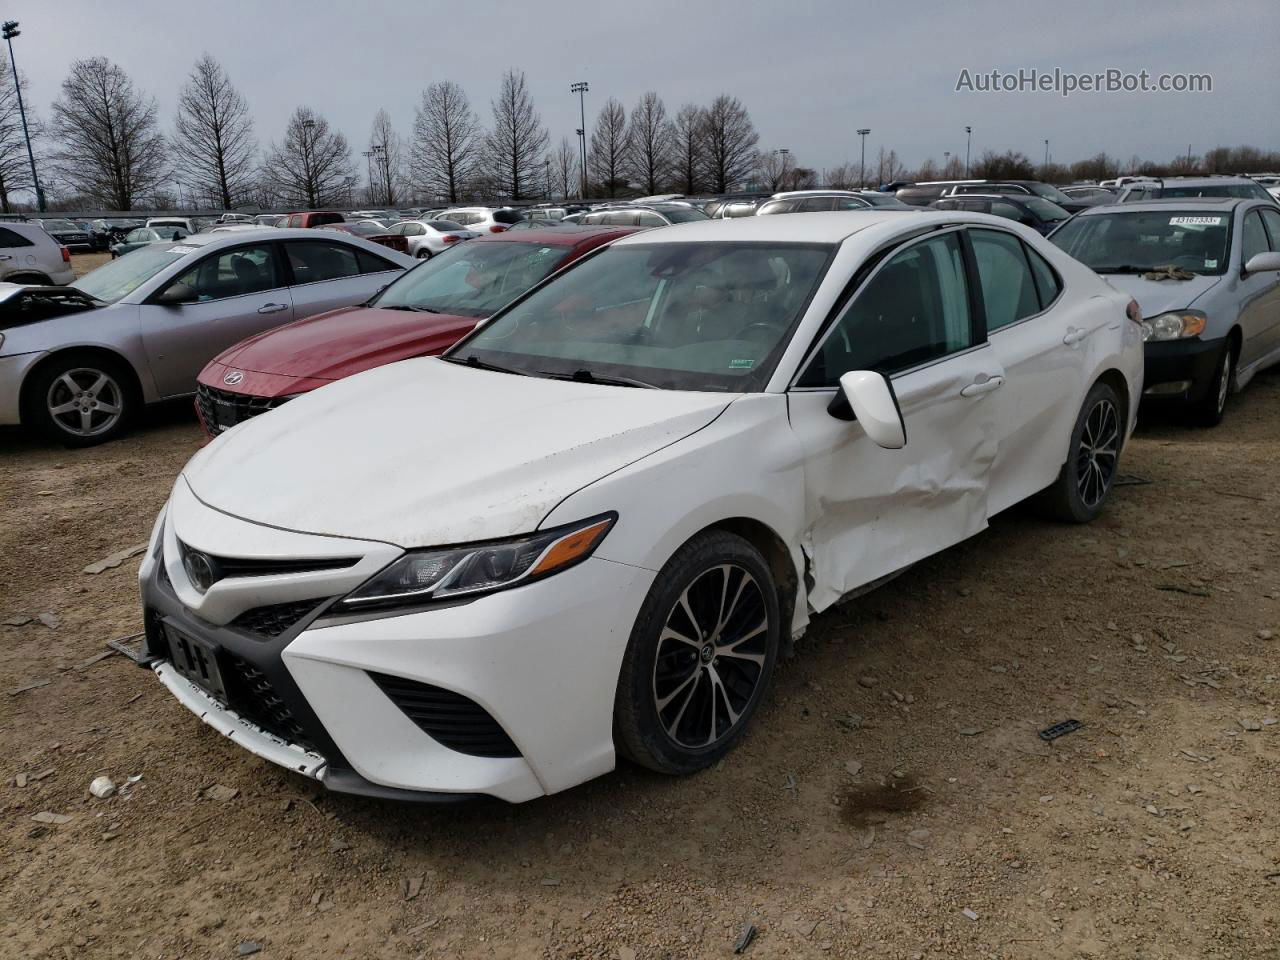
pixel 809 71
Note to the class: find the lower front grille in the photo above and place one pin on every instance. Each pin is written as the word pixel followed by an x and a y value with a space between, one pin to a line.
pixel 221 409
pixel 251 695
pixel 448 718
pixel 275 619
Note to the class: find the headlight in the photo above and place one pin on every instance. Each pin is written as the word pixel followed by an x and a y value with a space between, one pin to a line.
pixel 1174 326
pixel 424 576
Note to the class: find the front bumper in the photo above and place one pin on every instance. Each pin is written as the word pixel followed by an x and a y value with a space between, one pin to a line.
pixel 1181 369
pixel 541 661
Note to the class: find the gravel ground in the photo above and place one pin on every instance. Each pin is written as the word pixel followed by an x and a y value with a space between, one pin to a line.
pixel 893 800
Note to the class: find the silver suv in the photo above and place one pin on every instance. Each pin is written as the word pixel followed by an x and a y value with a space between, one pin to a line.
pixel 1182 187
pixel 1206 273
pixel 29 255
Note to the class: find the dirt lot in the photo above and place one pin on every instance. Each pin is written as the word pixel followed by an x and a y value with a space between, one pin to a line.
pixel 894 779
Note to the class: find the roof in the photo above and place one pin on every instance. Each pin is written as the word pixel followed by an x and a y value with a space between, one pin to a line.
pixel 1219 204
pixel 828 227
pixel 569 235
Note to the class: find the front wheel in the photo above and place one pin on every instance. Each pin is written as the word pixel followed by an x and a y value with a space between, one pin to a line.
pixel 423 253
pixel 1208 412
pixel 1085 480
pixel 700 656
pixel 80 400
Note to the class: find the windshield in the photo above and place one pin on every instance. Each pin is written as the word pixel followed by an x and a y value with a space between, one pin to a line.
pixel 682 316
pixel 58 225
pixel 1137 242
pixel 1048 191
pixel 473 279
pixel 446 225
pixel 1046 210
pixel 363 229
pixel 117 279
pixel 682 214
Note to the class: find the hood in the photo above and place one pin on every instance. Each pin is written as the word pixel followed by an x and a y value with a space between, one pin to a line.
pixel 1160 296
pixel 337 344
pixel 428 453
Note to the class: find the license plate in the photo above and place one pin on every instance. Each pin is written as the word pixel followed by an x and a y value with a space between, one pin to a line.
pixel 197 661
pixel 224 413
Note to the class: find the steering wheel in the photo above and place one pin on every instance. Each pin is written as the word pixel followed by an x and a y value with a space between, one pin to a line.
pixel 749 331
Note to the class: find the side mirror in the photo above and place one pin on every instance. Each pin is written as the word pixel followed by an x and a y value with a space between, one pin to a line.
pixel 868 397
pixel 177 294
pixel 1263 263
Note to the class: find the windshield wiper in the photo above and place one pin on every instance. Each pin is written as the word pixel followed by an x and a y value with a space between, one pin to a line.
pixel 474 361
pixel 1121 268
pixel 587 376
pixel 408 306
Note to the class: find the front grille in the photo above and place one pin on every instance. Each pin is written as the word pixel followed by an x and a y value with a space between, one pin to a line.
pixel 448 718
pixel 226 567
pixel 275 619
pixel 251 695
pixel 221 409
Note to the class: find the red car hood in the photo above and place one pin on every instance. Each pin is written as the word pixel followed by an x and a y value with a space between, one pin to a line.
pixel 329 346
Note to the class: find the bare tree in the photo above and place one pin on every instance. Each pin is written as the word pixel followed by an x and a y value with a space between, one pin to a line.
pixel 106 142
pixel 843 177
pixel 312 166
pixel 564 168
pixel 773 168
pixel 731 140
pixel 15 167
pixel 518 139
pixel 688 148
pixel 651 137
pixel 446 141
pixel 610 148
pixel 386 162
pixel 215 134
pixel 889 167
pixel 1010 165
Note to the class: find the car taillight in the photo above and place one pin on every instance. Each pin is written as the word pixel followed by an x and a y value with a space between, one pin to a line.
pixel 450 238
pixel 1133 311
pixel 66 255
pixel 497 228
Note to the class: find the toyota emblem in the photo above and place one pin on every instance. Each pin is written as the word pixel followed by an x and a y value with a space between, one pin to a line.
pixel 232 378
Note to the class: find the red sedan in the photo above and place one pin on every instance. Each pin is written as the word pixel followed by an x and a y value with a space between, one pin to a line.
pixel 421 313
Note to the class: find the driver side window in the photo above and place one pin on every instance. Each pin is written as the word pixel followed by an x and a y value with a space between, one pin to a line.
pixel 233 273
pixel 914 310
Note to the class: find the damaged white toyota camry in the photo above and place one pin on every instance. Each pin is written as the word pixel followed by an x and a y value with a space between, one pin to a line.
pixel 588 528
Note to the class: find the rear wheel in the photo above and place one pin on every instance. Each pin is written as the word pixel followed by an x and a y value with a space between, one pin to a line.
pixel 700 656
pixel 80 400
pixel 1209 410
pixel 423 253
pixel 1085 480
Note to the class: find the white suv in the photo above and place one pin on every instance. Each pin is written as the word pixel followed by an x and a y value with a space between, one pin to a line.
pixel 481 219
pixel 29 255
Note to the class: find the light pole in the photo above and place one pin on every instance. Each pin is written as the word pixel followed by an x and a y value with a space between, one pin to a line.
pixel 968 139
pixel 307 127
pixel 946 164
pixel 862 164
pixel 368 169
pixel 10 31
pixel 1046 154
pixel 384 164
pixel 581 88
pixel 782 173
pixel 546 163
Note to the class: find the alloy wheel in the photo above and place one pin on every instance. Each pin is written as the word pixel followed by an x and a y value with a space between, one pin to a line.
pixel 711 656
pixel 85 402
pixel 1224 379
pixel 1098 455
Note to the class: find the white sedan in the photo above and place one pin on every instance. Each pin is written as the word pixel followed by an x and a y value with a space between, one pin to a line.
pixel 588 529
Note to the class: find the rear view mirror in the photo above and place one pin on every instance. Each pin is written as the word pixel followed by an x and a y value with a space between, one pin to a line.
pixel 1263 263
pixel 870 398
pixel 177 294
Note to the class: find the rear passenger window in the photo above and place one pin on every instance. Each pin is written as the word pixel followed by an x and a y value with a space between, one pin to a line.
pixel 1272 218
pixel 914 310
pixel 649 219
pixel 1048 286
pixel 11 238
pixel 373 264
pixel 317 260
pixel 1008 289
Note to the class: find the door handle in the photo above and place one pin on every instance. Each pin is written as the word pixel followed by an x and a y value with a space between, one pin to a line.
pixel 273 307
pixel 979 387
pixel 5 256
pixel 1074 336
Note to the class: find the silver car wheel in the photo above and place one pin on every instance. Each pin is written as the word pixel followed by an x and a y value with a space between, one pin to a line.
pixel 1098 456
pixel 711 656
pixel 1224 379
pixel 85 402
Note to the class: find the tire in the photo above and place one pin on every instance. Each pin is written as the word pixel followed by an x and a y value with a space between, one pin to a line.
pixel 423 254
pixel 682 704
pixel 1084 483
pixel 1209 410
pixel 99 409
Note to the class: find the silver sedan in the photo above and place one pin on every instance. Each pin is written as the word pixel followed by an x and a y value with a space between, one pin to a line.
pixel 429 237
pixel 78 370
